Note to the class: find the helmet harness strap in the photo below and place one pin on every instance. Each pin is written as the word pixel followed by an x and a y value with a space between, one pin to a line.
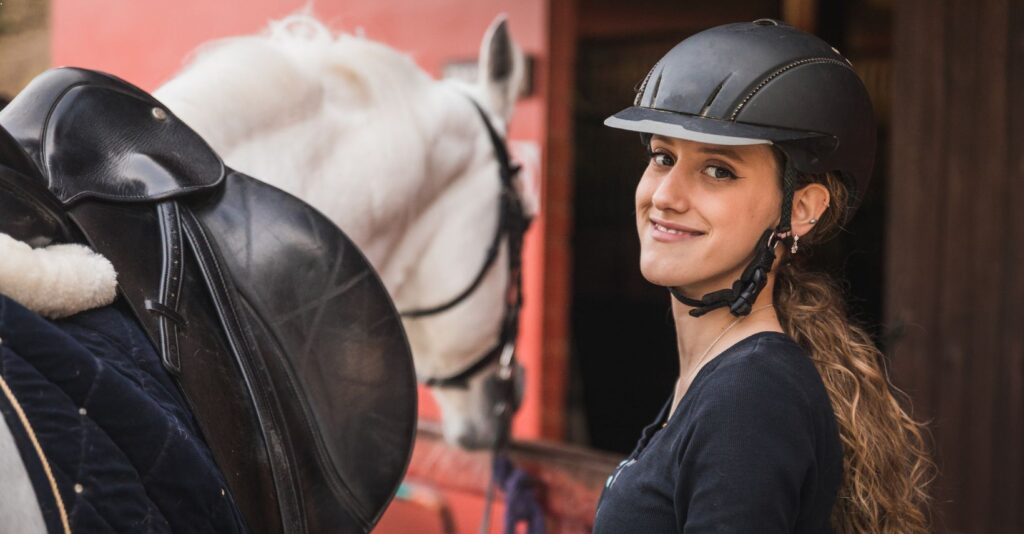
pixel 740 298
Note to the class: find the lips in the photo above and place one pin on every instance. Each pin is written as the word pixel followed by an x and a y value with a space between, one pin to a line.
pixel 669 232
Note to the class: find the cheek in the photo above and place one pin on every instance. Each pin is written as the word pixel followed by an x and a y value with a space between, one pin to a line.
pixel 644 191
pixel 642 199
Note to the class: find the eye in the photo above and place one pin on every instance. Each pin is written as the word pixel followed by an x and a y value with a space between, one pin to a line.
pixel 718 172
pixel 661 158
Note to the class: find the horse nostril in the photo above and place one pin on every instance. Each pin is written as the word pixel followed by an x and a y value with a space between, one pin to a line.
pixel 468 441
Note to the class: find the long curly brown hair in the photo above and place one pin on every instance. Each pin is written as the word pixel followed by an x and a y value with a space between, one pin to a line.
pixel 887 468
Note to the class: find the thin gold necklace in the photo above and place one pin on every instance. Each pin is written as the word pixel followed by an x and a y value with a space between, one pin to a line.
pixel 707 351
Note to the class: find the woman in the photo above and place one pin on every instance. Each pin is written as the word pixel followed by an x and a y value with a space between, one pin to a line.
pixel 761 142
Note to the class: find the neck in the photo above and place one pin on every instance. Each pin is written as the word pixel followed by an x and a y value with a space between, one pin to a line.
pixel 695 335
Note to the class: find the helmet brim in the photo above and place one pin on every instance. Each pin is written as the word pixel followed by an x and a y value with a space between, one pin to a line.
pixel 703 129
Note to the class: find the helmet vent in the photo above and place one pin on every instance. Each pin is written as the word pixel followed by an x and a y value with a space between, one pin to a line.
pixel 713 96
pixel 657 85
pixel 643 85
pixel 779 72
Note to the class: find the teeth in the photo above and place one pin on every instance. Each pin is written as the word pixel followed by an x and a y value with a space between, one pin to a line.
pixel 668 230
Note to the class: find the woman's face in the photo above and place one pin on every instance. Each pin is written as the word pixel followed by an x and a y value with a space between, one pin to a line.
pixel 700 210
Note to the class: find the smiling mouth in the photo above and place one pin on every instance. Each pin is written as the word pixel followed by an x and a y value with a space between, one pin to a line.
pixel 674 231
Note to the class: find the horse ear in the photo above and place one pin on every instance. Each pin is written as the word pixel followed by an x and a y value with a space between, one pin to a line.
pixel 500 68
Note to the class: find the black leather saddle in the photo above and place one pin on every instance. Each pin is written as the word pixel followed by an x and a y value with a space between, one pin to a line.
pixel 278 331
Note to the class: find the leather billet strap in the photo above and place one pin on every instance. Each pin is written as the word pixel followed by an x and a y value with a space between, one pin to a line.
pixel 173 264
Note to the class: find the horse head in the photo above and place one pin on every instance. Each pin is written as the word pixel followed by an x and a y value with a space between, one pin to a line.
pixel 403 164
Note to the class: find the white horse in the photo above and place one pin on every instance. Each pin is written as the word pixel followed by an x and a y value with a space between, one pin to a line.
pixel 402 163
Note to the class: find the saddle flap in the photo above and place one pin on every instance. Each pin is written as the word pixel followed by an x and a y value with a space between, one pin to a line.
pixel 331 342
pixel 96 136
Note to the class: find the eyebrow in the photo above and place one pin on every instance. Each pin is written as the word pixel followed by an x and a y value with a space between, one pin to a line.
pixel 722 151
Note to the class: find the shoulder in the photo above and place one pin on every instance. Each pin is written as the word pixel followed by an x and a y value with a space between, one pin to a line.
pixel 754 443
pixel 768 364
pixel 765 381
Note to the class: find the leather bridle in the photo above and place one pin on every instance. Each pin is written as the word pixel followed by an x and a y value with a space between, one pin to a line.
pixel 504 388
pixel 512 224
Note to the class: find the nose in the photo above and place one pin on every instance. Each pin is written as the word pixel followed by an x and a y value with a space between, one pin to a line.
pixel 673 192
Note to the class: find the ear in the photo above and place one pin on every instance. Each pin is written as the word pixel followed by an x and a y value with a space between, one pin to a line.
pixel 809 202
pixel 500 69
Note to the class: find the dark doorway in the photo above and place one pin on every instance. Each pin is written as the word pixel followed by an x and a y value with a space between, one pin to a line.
pixel 623 341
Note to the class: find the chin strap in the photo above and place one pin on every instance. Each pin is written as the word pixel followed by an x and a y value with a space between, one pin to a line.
pixel 740 298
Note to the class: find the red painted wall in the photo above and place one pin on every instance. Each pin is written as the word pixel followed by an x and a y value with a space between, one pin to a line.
pixel 147 42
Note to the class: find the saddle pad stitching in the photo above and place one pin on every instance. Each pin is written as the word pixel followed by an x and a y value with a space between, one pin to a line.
pixel 194 231
pixel 106 367
pixel 168 438
pixel 39 452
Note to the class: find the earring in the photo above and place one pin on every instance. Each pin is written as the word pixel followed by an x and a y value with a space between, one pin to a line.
pixel 796 244
pixel 812 221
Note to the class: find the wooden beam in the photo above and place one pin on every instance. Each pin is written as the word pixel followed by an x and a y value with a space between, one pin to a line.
pixel 954 286
pixel 557 206
pixel 802 14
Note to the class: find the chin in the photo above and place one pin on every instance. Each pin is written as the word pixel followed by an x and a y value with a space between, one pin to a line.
pixel 662 274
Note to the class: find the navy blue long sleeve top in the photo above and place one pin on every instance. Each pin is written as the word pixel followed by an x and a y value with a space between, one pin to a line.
pixel 752 447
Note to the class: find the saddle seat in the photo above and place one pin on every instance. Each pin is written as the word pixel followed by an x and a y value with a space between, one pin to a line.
pixel 276 328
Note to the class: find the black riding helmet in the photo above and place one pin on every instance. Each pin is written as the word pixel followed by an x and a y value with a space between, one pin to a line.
pixel 762 82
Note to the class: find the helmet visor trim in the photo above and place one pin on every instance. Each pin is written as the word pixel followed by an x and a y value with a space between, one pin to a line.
pixel 680 132
pixel 702 129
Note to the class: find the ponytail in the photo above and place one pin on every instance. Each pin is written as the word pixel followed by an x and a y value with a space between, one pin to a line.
pixel 886 465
